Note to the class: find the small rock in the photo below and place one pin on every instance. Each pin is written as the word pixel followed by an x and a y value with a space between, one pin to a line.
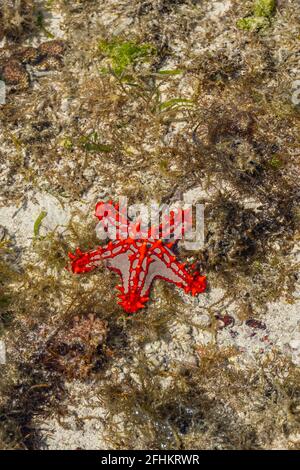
pixel 27 55
pixel 15 75
pixel 224 321
pixel 205 320
pixel 294 344
pixel 52 48
pixel 252 323
pixel 233 334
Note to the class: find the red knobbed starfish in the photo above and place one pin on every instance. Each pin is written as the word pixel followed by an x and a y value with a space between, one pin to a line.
pixel 139 257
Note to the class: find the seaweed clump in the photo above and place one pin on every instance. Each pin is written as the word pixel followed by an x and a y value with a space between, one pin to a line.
pixel 263 10
pixel 24 396
pixel 78 348
pixel 17 18
pixel 46 57
pixel 124 54
pixel 213 405
pixel 46 354
pixel 7 278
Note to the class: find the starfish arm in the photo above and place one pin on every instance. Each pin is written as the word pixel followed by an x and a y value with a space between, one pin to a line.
pixel 83 262
pixel 171 270
pixel 131 298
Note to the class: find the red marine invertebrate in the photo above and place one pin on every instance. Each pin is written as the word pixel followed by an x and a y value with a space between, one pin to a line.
pixel 139 256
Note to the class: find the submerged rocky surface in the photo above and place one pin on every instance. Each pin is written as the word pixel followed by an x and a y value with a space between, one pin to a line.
pixel 159 99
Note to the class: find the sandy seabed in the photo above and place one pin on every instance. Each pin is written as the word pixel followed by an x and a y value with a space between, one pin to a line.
pixel 162 100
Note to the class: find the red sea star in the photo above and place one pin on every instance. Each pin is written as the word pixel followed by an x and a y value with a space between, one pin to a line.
pixel 138 261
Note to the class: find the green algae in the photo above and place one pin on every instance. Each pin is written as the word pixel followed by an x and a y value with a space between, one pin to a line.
pixel 38 223
pixel 170 72
pixel 253 23
pixel 276 162
pixel 40 21
pixel 91 143
pixel 263 10
pixel 123 54
pixel 175 102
